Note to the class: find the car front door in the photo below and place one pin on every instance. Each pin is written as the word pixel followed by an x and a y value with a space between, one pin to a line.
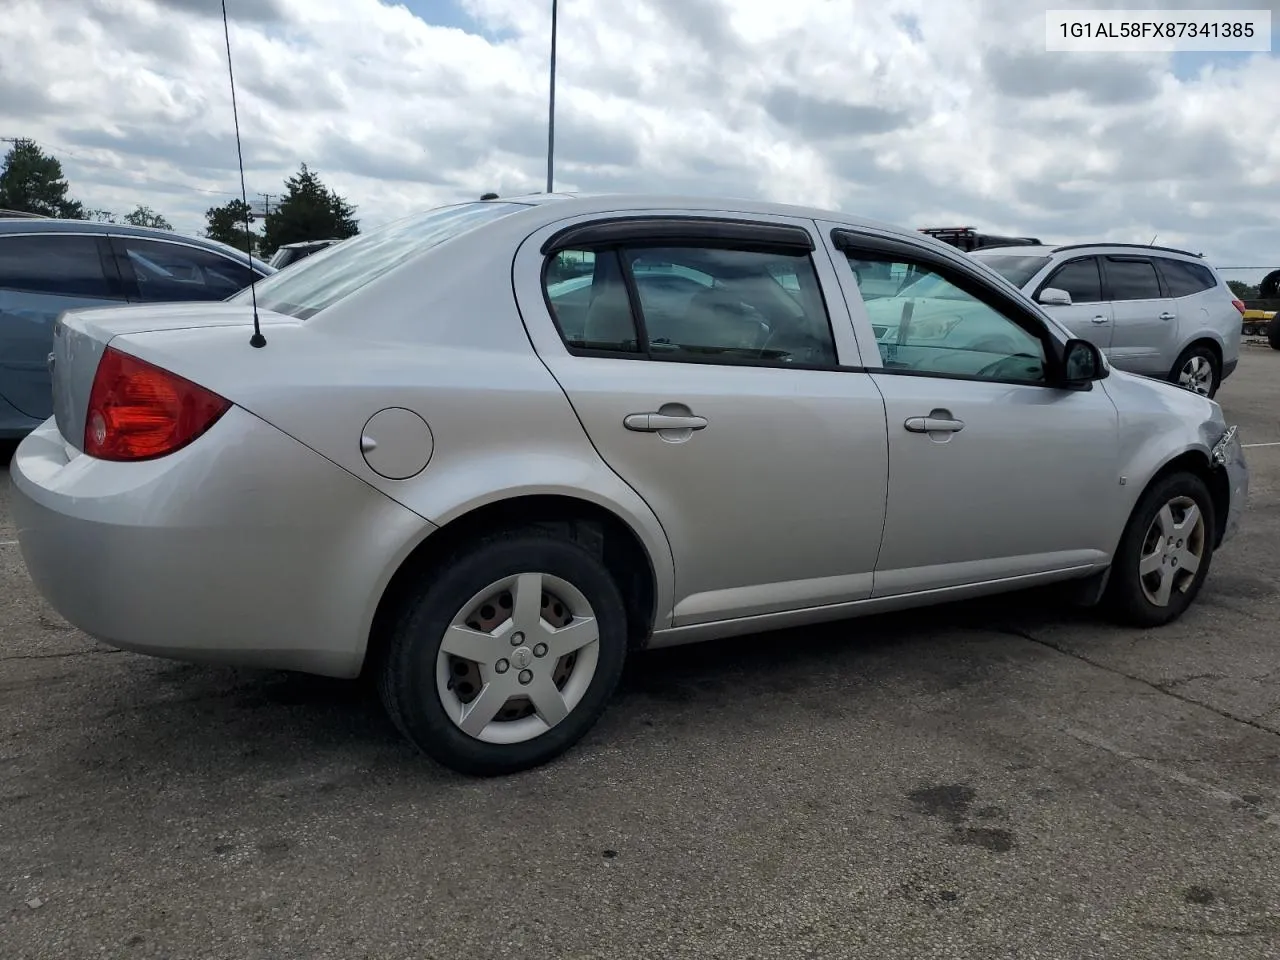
pixel 1089 315
pixel 42 275
pixel 1145 320
pixel 710 377
pixel 995 474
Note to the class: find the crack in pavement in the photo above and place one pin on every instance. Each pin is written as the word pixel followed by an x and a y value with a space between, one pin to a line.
pixel 1154 685
pixel 59 656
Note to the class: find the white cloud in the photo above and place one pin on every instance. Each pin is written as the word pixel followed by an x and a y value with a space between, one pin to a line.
pixel 914 111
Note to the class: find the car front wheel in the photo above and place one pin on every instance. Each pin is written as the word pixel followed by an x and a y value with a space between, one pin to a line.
pixel 508 656
pixel 1165 552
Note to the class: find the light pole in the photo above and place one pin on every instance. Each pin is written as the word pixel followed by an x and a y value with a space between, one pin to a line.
pixel 551 106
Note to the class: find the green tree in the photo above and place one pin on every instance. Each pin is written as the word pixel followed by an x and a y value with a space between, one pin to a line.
pixel 32 181
pixel 226 225
pixel 308 210
pixel 144 216
pixel 101 216
pixel 1245 291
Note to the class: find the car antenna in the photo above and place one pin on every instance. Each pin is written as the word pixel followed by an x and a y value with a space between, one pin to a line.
pixel 1153 241
pixel 257 340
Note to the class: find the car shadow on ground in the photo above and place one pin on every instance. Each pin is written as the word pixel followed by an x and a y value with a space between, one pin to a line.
pixel 205 722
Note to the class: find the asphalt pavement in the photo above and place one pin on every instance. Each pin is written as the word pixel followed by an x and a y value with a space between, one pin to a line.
pixel 1005 779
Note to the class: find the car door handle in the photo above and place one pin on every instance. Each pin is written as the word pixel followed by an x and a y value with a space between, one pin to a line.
pixel 653 422
pixel 1099 319
pixel 1166 315
pixel 933 425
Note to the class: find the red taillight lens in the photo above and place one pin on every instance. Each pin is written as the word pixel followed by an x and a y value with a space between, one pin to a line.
pixel 1239 305
pixel 138 411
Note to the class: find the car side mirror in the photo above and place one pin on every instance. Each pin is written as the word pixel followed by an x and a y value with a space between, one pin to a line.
pixel 1082 364
pixel 1053 297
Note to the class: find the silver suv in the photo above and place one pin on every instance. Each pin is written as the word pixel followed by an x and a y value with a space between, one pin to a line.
pixel 1156 311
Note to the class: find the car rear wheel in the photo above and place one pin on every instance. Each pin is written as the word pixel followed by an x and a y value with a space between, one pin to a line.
pixel 508 655
pixel 1198 370
pixel 1164 555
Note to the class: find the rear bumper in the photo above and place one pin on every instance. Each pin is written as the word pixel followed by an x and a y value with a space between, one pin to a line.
pixel 245 548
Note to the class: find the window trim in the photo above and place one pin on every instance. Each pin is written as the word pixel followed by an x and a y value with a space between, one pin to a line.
pixel 117 288
pixel 614 241
pixel 675 230
pixel 1106 258
pixel 129 277
pixel 1054 271
pixel 969 279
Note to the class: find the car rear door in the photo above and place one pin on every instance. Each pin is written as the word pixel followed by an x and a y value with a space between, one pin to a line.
pixel 164 271
pixel 995 475
pixel 715 371
pixel 1144 337
pixel 41 275
pixel 1089 317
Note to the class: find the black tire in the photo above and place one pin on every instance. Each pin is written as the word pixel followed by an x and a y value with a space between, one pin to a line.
pixel 407 672
pixel 1126 599
pixel 1199 350
pixel 1273 332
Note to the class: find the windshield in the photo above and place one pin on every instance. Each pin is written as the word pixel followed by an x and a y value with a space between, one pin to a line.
pixel 1017 270
pixel 316 282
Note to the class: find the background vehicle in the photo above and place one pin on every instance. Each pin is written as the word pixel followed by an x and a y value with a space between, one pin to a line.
pixel 1262 316
pixel 1156 311
pixel 969 239
pixel 47 266
pixel 293 252
pixel 450 469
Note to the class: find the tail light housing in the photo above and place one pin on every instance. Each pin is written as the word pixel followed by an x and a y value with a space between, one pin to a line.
pixel 138 411
pixel 1239 305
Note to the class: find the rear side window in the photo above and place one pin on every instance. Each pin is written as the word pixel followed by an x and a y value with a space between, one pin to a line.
pixel 1131 280
pixel 174 272
pixel 696 303
pixel 1080 278
pixel 307 287
pixel 66 265
pixel 1186 279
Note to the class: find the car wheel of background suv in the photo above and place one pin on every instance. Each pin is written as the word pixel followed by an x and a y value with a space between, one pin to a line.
pixel 1198 369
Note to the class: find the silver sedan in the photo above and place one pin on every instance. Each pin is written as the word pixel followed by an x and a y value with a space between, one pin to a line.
pixel 489 451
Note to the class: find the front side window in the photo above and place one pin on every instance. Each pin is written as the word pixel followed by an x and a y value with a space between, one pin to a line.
pixel 62 265
pixel 933 326
pixel 1132 280
pixel 696 303
pixel 1080 278
pixel 171 272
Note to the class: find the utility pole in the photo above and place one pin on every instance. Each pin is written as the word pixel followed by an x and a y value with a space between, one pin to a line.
pixel 266 204
pixel 551 107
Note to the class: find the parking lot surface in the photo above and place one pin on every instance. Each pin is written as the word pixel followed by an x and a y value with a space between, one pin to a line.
pixel 1001 779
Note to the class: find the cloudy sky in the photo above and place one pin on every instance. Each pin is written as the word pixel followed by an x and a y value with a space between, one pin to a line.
pixel 913 111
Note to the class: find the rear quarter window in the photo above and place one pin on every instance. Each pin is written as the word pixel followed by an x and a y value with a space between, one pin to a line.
pixel 1186 279
pixel 306 288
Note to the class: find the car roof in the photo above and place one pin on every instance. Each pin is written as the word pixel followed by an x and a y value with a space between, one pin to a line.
pixel 24 226
pixel 1048 250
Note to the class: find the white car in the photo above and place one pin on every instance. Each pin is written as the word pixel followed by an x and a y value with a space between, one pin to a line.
pixel 488 452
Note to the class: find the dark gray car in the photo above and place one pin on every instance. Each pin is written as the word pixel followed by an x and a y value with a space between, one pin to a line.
pixel 48 266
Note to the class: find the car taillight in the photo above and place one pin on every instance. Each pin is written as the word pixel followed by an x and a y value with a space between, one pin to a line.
pixel 137 411
pixel 1239 305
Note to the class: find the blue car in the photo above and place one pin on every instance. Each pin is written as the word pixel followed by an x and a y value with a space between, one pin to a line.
pixel 48 266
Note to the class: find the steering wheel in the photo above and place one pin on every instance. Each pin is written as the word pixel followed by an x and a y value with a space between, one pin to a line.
pixel 992 368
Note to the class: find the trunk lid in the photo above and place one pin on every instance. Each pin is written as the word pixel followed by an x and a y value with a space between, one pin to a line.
pixel 80 337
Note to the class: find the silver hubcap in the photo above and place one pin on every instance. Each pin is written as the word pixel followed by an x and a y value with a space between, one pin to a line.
pixel 517 658
pixel 1172 550
pixel 1197 375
